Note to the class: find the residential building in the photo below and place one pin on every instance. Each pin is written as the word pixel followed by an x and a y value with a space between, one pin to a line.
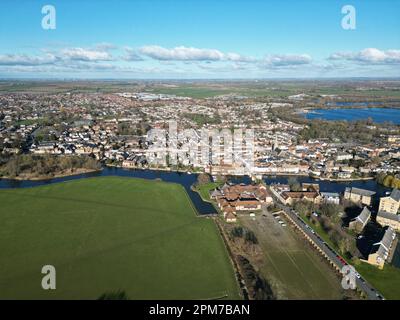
pixel 358 223
pixel 380 251
pixel 388 219
pixel 330 197
pixel 358 195
pixel 391 203
pixel 240 197
pixel 290 197
pixel 341 156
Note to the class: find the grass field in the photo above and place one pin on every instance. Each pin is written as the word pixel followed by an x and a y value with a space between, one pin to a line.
pixel 204 189
pixel 107 234
pixel 294 269
pixel 386 281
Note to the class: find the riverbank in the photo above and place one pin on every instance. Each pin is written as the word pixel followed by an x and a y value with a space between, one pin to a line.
pixel 345 180
pixel 268 175
pixel 32 177
pixel 154 168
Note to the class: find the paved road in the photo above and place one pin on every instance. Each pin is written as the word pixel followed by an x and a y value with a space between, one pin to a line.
pixel 371 293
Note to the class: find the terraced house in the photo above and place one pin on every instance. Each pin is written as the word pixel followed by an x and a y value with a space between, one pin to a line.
pixel 381 250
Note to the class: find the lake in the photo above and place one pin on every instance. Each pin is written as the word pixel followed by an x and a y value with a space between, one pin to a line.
pixel 378 115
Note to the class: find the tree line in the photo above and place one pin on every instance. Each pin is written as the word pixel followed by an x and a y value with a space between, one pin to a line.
pixel 44 165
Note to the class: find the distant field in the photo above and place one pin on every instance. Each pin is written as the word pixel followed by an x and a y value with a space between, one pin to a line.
pixel 210 91
pixel 107 234
pixel 202 89
pixel 54 87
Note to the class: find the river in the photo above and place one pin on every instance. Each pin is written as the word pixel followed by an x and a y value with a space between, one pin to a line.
pixel 187 180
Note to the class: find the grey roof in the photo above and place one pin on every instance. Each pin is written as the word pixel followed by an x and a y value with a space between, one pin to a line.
pixel 215 193
pixel 388 238
pixel 362 192
pixel 388 215
pixel 395 195
pixel 364 216
pixel 382 247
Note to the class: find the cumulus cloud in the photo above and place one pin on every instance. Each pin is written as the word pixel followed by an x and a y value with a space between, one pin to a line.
pixel 286 60
pixel 26 60
pixel 369 56
pixel 183 53
pixel 82 54
pixel 100 58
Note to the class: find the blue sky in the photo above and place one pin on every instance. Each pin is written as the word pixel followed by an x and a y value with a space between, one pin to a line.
pixel 199 39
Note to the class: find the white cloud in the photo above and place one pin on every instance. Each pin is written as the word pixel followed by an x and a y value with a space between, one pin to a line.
pixel 286 60
pixel 86 54
pixel 369 55
pixel 181 53
pixel 26 60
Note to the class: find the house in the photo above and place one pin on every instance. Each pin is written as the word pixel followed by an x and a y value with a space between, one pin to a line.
pixel 290 197
pixel 380 251
pixel 388 219
pixel 240 197
pixel 330 197
pixel 230 217
pixel 344 175
pixel 310 187
pixel 129 164
pixel 342 156
pixel 358 195
pixel 358 223
pixel 391 203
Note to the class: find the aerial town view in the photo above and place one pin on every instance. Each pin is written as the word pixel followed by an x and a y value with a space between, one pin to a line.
pixel 164 151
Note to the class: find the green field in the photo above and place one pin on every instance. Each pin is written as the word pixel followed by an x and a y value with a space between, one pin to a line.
pixel 386 281
pixel 107 234
pixel 205 189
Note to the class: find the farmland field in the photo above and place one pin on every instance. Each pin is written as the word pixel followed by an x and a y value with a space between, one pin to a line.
pixel 107 234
